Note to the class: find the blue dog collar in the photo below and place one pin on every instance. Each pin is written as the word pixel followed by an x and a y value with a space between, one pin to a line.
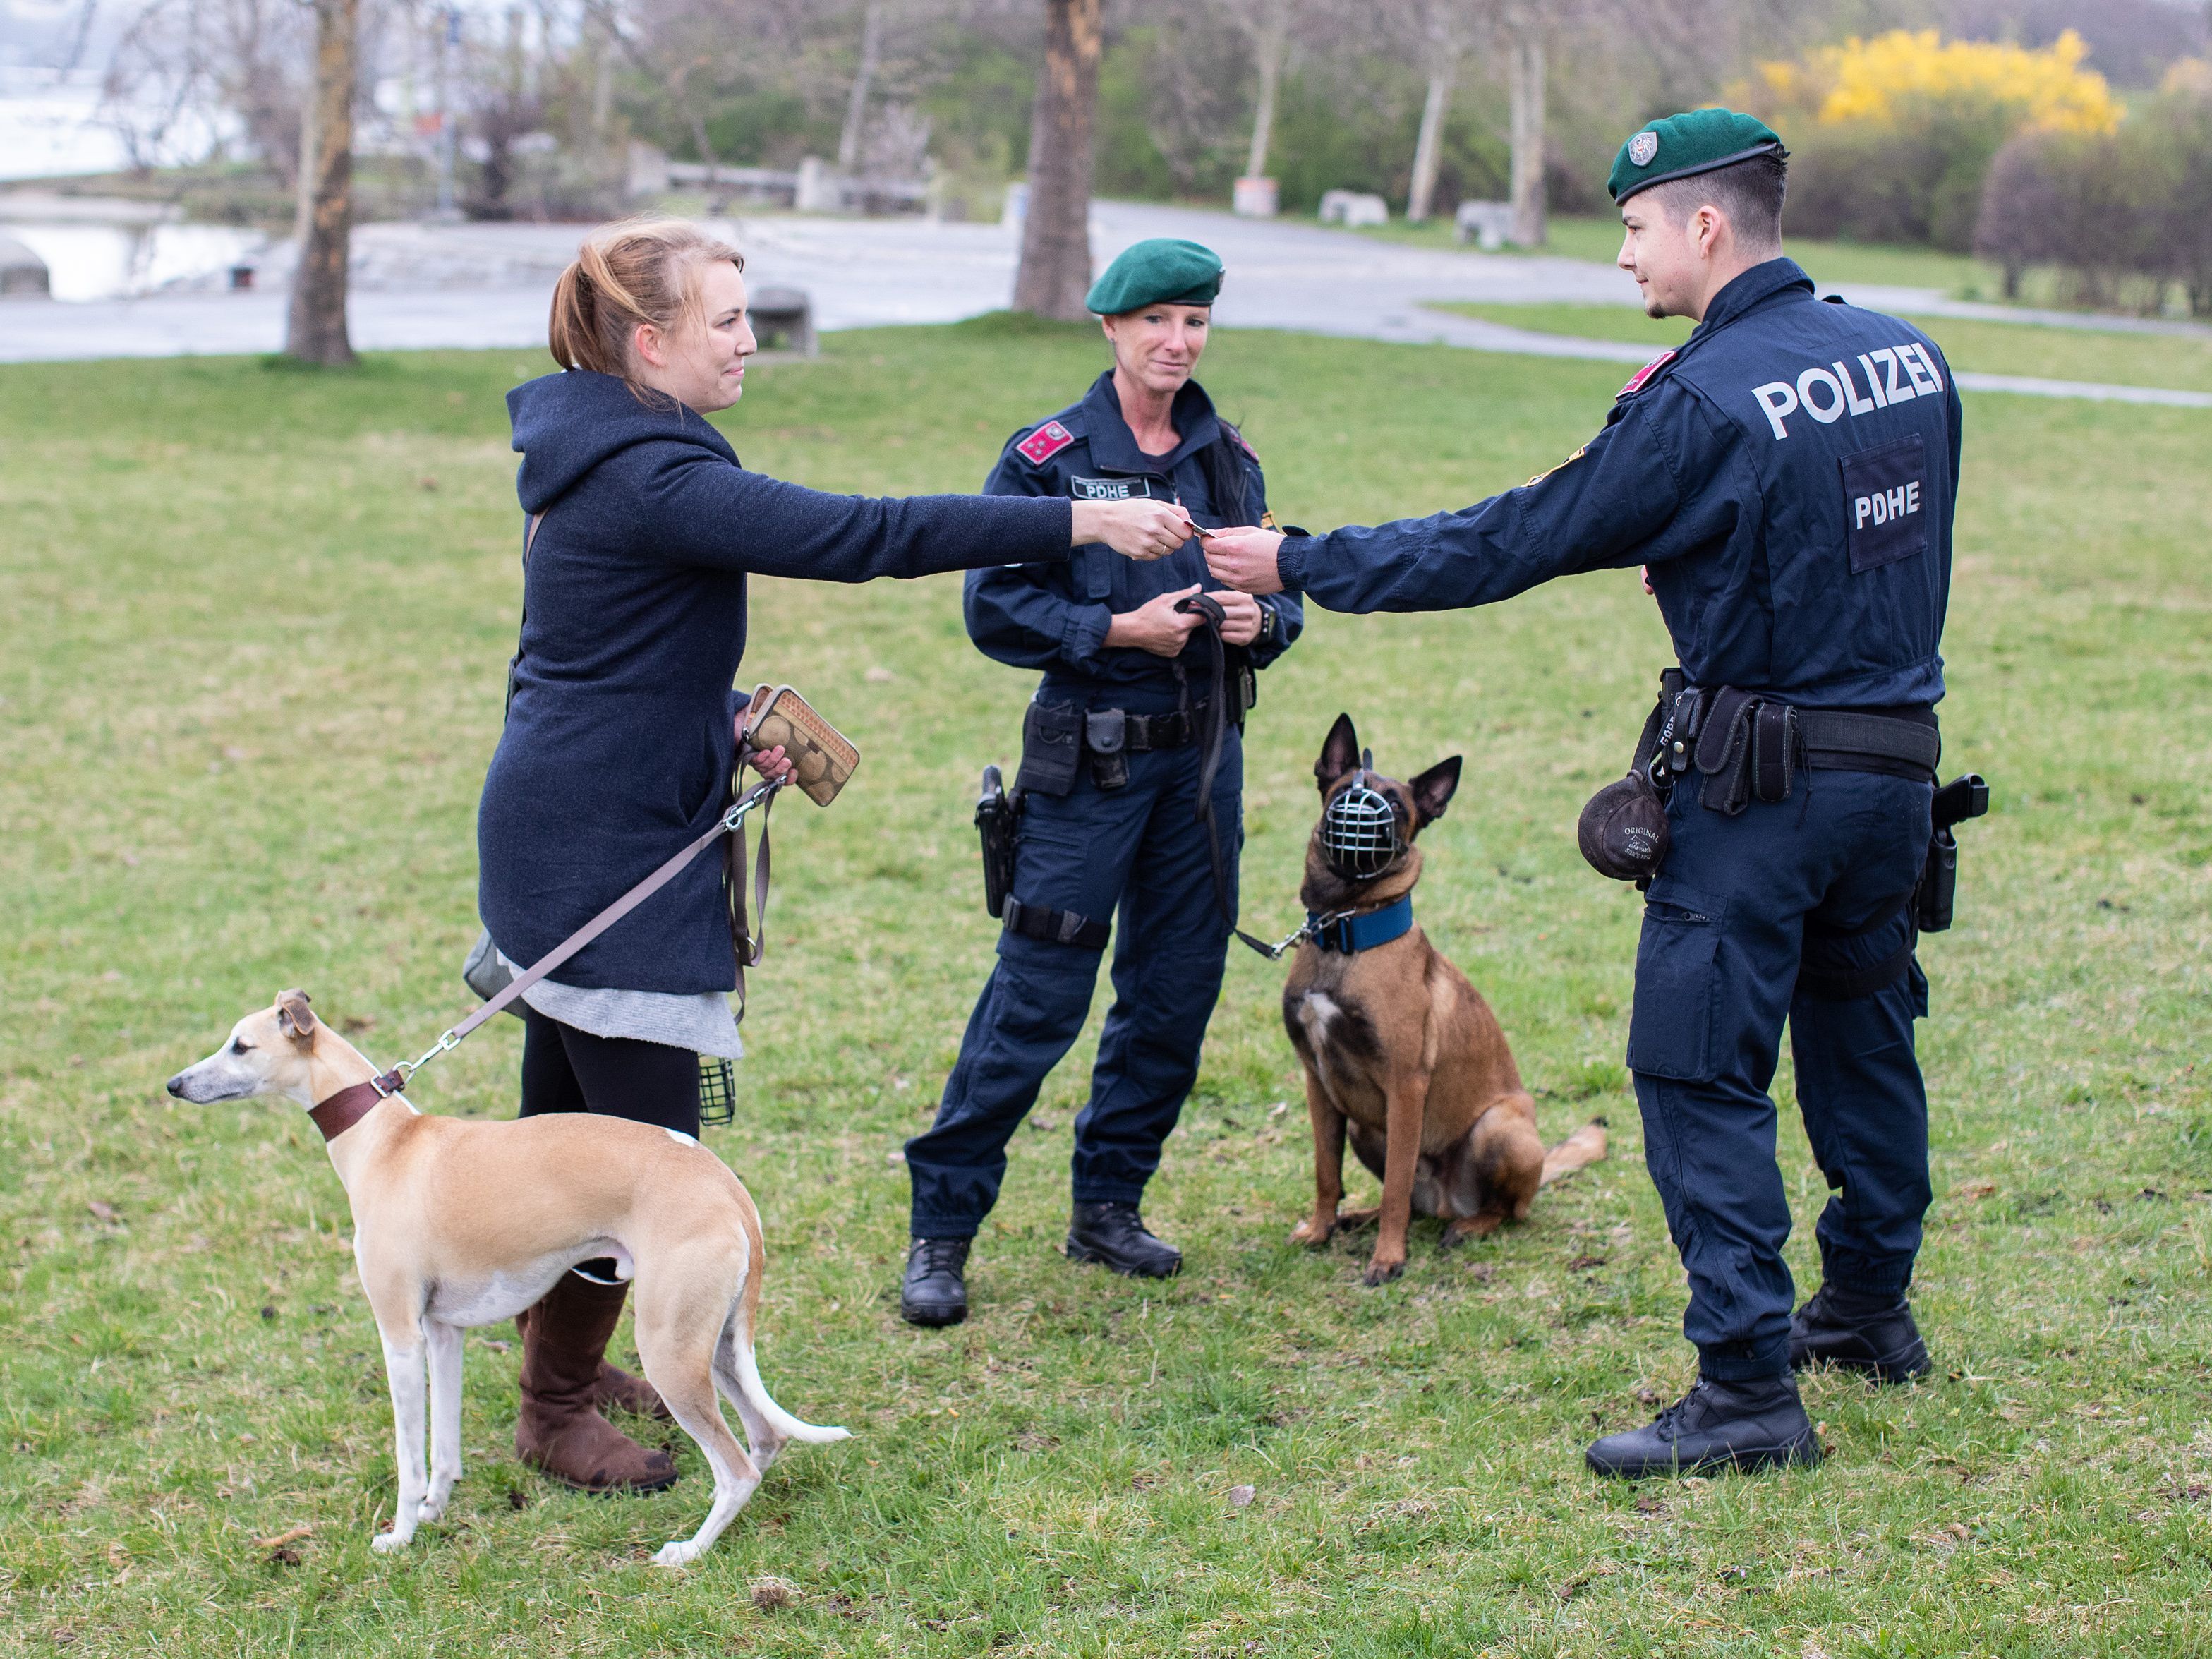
pixel 1349 935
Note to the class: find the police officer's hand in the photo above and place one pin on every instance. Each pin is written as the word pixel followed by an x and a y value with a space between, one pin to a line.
pixel 1244 558
pixel 1137 530
pixel 1240 617
pixel 1155 626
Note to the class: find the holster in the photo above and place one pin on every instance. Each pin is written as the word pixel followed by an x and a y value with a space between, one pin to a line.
pixel 1106 735
pixel 998 820
pixel 1052 747
pixel 1934 901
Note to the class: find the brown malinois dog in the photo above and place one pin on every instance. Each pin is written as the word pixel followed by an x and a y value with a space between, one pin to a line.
pixel 1399 1049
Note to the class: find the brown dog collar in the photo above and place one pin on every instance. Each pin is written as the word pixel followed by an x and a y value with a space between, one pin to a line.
pixel 335 1116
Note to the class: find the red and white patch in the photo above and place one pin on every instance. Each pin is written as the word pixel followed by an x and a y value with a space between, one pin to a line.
pixel 1046 441
pixel 1243 443
pixel 1641 378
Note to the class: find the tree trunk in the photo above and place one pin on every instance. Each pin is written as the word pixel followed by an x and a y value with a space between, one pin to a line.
pixel 1528 89
pixel 1271 40
pixel 856 106
pixel 1055 268
pixel 1428 149
pixel 316 332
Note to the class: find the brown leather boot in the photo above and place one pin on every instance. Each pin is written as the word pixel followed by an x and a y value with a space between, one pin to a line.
pixel 613 1386
pixel 558 1430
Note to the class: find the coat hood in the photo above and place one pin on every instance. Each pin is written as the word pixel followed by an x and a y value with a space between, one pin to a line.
pixel 566 424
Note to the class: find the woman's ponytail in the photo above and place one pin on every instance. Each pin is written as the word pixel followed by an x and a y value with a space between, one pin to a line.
pixel 637 270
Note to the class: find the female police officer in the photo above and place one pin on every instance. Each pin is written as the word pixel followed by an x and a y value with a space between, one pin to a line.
pixel 1109 784
pixel 1788 479
pixel 620 736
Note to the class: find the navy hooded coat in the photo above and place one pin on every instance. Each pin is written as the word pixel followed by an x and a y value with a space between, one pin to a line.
pixel 618 743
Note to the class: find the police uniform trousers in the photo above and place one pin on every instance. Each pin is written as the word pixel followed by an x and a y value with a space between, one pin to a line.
pixel 1739 904
pixel 1138 854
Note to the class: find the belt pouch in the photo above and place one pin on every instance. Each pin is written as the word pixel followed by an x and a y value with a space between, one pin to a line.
pixel 1773 751
pixel 1937 897
pixel 1723 751
pixel 1052 744
pixel 1105 735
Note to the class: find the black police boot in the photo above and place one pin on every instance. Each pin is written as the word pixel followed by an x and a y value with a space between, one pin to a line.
pixel 935 1292
pixel 1744 1425
pixel 1114 1235
pixel 1872 1335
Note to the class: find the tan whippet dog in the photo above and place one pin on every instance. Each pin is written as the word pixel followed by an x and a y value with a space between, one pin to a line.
pixel 460 1224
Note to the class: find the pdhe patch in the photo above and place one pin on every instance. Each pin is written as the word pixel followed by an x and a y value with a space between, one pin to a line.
pixel 1887 512
pixel 1046 441
pixel 1115 489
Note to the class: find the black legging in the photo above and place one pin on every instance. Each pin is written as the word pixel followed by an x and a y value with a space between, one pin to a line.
pixel 566 1069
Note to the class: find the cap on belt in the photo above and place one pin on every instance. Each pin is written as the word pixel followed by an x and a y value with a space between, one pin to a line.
pixel 1682 145
pixel 1162 271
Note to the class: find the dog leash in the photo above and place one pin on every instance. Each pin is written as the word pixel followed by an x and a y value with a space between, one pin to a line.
pixel 1210 613
pixel 729 823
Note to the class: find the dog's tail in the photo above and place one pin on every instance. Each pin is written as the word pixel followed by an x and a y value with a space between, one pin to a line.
pixel 745 1374
pixel 1586 1145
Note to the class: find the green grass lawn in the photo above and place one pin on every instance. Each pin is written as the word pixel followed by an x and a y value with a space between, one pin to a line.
pixel 259 626
pixel 2180 361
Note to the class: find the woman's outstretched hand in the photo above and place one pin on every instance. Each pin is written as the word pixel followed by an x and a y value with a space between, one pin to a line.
pixel 1136 530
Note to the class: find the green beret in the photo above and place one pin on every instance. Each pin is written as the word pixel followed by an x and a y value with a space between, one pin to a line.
pixel 1165 271
pixel 1683 145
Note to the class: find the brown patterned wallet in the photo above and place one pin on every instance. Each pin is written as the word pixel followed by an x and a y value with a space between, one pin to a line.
pixel 824 760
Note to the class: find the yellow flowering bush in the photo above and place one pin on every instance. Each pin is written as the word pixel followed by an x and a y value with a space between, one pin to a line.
pixel 1879 82
pixel 1893 135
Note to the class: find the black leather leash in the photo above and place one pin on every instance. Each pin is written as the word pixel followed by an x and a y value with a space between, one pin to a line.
pixel 1215 733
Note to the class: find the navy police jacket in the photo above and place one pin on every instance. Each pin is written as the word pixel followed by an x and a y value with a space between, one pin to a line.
pixel 1788 476
pixel 1054 616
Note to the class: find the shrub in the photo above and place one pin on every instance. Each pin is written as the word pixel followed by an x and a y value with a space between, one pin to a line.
pixel 1893 137
pixel 2122 215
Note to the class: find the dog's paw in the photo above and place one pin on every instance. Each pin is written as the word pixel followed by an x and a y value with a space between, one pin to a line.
pixel 385 1543
pixel 430 1510
pixel 1380 1271
pixel 1312 1233
pixel 676 1552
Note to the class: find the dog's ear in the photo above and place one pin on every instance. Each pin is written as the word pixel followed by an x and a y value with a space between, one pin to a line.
pixel 1434 788
pixel 1338 755
pixel 294 1017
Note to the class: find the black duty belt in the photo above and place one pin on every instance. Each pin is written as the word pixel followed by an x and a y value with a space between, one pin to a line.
pixel 1176 729
pixel 1748 746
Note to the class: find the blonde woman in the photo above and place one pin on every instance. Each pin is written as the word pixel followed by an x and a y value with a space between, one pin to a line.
pixel 621 735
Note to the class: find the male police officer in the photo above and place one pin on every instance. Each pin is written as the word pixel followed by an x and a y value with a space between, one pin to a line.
pixel 1787 478
pixel 1138 694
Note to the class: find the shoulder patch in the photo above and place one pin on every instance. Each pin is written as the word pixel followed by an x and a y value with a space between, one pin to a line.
pixel 1243 443
pixel 1046 441
pixel 1643 376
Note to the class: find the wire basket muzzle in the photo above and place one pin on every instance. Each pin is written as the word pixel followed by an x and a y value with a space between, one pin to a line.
pixel 1359 833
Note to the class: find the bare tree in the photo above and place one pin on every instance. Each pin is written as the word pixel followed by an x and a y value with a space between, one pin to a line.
pixel 173 59
pixel 1523 24
pixel 316 330
pixel 1266 25
pixel 1055 268
pixel 1444 31
pixel 856 106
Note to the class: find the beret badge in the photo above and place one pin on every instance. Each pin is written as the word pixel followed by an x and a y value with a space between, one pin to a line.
pixel 1643 147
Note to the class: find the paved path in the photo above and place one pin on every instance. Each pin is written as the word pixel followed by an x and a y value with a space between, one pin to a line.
pixel 420 287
